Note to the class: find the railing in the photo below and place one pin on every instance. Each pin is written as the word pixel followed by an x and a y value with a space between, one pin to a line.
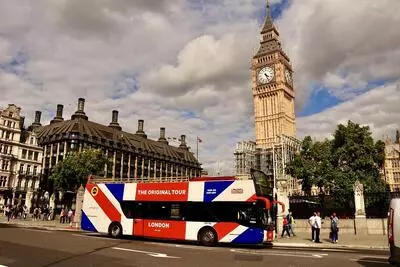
pixel 99 179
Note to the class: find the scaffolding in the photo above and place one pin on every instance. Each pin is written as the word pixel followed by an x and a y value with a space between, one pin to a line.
pixel 283 152
pixel 245 157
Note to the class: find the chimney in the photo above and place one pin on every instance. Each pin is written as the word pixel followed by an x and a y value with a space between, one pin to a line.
pixel 114 121
pixel 37 123
pixel 183 142
pixel 162 138
pixel 140 130
pixel 21 122
pixel 80 113
pixel 59 114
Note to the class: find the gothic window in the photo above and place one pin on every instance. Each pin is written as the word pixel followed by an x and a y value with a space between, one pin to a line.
pixel 36 156
pixel 8 135
pixel 31 141
pixel 9 124
pixel 21 168
pixel 30 155
pixel 35 170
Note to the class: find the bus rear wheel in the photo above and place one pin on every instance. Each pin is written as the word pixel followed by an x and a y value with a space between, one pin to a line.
pixel 115 230
pixel 208 237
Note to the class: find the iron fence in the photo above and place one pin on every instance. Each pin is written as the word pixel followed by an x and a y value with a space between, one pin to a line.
pixel 376 205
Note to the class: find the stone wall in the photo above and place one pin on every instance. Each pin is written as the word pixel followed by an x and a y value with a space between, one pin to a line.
pixel 347 226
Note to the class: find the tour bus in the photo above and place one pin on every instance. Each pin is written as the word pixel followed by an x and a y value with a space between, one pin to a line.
pixel 205 209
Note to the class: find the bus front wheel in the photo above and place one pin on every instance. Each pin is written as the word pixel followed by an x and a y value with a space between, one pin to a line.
pixel 208 237
pixel 115 230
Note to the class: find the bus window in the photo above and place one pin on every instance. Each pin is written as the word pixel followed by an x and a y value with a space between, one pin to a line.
pixel 132 209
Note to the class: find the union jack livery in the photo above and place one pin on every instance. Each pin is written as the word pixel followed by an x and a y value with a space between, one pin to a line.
pixel 208 210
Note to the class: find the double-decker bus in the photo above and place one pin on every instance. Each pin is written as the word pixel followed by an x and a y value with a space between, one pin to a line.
pixel 204 209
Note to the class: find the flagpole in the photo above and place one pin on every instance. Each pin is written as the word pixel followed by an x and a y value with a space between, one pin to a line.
pixel 197 148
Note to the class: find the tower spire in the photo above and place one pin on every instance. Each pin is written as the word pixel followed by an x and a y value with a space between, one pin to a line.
pixel 268 24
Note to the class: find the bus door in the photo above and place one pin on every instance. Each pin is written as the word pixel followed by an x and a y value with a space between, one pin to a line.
pixel 138 222
pixel 163 221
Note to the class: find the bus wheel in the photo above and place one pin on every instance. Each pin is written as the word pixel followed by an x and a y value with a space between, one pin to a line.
pixel 115 230
pixel 208 237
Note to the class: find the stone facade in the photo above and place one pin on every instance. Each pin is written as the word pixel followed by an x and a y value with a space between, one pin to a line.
pixel 20 157
pixel 273 91
pixel 132 155
pixel 392 162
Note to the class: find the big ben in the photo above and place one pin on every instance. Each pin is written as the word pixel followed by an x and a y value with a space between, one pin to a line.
pixel 272 85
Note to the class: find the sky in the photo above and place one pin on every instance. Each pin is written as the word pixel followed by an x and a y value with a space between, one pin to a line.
pixel 184 65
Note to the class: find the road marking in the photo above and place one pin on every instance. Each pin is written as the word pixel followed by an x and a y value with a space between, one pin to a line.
pixel 149 253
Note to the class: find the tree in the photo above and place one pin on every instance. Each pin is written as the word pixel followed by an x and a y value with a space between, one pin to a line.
pixel 337 164
pixel 74 170
pixel 312 165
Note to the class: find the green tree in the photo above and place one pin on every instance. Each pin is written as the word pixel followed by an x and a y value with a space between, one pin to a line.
pixel 336 164
pixel 74 170
pixel 312 165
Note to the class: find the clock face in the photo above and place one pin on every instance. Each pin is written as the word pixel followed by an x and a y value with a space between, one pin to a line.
pixel 288 76
pixel 266 75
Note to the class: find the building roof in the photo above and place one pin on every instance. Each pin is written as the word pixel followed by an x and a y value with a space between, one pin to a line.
pixel 100 132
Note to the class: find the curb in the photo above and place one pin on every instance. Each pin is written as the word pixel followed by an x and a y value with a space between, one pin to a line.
pixel 336 246
pixel 42 227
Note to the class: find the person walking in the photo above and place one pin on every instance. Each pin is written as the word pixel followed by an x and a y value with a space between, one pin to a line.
pixel 291 222
pixel 285 227
pixel 317 225
pixel 335 228
pixel 311 222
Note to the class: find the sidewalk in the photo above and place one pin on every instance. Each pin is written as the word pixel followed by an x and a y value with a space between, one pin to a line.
pixel 378 242
pixel 46 225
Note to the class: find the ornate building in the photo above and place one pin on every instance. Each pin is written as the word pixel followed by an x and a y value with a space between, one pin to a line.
pixel 132 155
pixel 392 162
pixel 20 157
pixel 273 92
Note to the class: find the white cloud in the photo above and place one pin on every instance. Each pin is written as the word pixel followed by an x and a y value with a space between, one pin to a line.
pixel 378 108
pixel 185 64
pixel 355 42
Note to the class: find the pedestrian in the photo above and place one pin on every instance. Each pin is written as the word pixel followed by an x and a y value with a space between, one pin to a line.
pixel 285 227
pixel 335 228
pixel 311 222
pixel 317 225
pixel 62 216
pixel 70 213
pixel 7 212
pixel 291 222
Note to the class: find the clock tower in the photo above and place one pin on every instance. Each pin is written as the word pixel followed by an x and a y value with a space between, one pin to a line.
pixel 272 86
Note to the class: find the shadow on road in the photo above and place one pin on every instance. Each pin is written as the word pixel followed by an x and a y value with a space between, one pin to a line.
pixel 372 262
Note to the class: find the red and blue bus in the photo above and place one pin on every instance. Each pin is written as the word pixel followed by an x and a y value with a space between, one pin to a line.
pixel 205 209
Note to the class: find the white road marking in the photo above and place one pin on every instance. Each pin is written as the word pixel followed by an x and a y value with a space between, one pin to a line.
pixel 149 253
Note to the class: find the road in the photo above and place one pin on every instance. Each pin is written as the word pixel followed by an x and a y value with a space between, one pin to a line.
pixel 22 247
